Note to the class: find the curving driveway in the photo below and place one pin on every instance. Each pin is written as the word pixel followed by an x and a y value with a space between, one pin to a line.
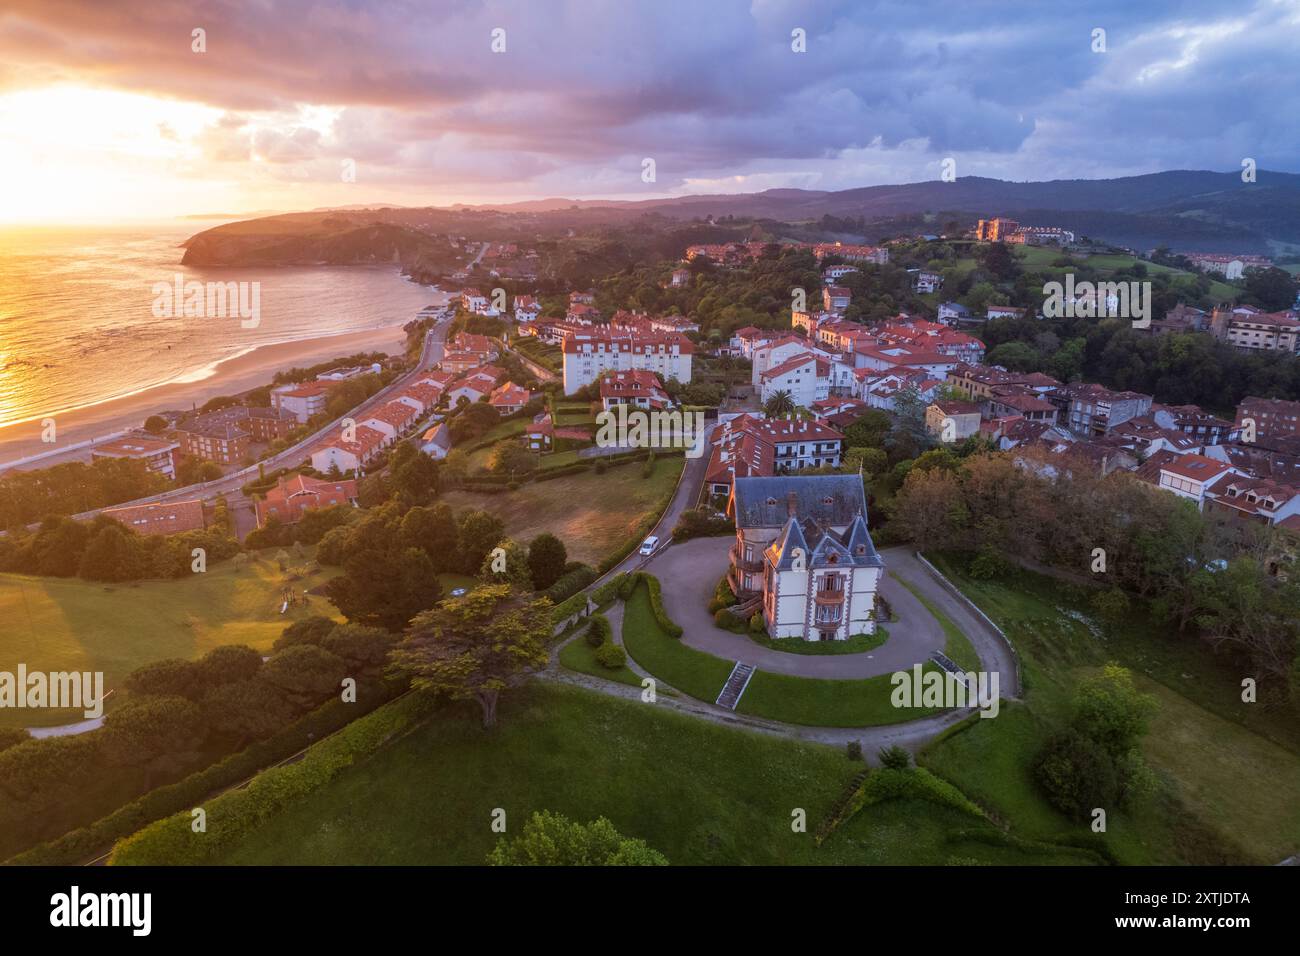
pixel 689 572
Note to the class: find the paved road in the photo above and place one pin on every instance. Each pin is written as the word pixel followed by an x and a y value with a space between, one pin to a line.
pixel 994 655
pixel 690 571
pixel 430 355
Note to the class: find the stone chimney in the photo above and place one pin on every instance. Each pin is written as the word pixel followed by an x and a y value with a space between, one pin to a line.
pixel 792 504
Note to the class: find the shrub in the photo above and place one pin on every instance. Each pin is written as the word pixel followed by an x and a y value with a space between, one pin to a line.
pixel 729 621
pixel 853 750
pixel 598 631
pixel 607 592
pixel 1076 774
pixel 723 596
pixel 895 758
pixel 611 656
pixel 666 623
pixel 568 607
pixel 701 523
pixel 756 623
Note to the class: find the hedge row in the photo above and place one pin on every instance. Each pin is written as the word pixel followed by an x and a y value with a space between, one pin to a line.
pixel 571 582
pixel 79 846
pixel 607 592
pixel 236 813
pixel 568 607
pixel 666 623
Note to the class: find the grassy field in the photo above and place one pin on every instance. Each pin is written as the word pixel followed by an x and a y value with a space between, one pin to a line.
pixel 1035 258
pixel 53 624
pixel 1226 793
pixel 698 792
pixel 592 514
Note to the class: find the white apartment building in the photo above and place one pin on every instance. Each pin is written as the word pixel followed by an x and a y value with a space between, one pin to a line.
pixel 588 355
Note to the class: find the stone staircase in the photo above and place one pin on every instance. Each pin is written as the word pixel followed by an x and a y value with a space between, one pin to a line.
pixel 735 685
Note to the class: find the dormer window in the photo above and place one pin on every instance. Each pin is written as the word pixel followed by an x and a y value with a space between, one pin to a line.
pixel 771 501
pixel 828 500
pixel 860 549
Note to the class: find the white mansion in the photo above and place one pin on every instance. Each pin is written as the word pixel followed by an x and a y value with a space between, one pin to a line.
pixel 804 556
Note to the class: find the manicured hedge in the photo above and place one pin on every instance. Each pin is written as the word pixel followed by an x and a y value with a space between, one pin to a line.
pixel 607 592
pixel 571 582
pixel 666 623
pixel 79 846
pixel 236 813
pixel 569 607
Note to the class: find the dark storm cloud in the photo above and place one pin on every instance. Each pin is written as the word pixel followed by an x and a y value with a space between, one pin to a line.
pixel 710 90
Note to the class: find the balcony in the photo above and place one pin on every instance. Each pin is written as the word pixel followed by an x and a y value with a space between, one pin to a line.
pixel 736 581
pixel 825 597
pixel 738 561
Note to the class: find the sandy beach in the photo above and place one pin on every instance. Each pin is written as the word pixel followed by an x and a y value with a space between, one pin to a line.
pixel 231 377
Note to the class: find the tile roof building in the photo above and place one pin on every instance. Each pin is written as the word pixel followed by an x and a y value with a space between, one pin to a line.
pixel 803 555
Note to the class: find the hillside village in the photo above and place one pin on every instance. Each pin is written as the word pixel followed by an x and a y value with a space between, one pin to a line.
pixel 835 529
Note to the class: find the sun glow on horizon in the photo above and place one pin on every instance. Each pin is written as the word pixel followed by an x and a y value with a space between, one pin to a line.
pixel 79 153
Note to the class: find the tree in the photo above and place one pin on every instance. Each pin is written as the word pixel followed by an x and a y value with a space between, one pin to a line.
pixel 1271 289
pixel 155 424
pixel 869 431
pixel 306 675
pixel 112 555
pixel 779 405
pixel 479 532
pixel 514 571
pixel 433 531
pixel 1015 356
pixel 476 646
pixel 547 557
pixel 511 458
pixel 310 630
pixel 385 588
pixel 1109 710
pixel 552 839
pixel 413 474
pixel 1076 774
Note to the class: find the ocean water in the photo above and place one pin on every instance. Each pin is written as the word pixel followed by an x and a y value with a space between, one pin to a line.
pixel 78 324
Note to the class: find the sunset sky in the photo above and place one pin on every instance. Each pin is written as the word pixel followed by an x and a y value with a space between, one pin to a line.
pixel 106 112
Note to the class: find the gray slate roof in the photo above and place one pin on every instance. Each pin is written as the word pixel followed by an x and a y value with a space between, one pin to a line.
pixel 762 502
pixel 852 548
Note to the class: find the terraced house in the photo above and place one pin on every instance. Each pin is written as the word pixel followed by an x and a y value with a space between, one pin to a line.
pixel 803 555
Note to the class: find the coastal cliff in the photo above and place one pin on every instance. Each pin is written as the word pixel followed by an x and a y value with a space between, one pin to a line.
pixel 307 239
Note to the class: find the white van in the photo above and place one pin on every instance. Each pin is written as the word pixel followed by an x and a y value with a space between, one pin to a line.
pixel 649 544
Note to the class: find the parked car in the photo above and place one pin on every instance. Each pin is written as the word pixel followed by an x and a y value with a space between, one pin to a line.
pixel 649 544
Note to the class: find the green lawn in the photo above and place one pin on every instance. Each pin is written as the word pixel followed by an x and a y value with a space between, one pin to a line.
pixel 592 514
pixel 1226 793
pixel 578 655
pixel 667 658
pixel 54 624
pixel 698 792
pixel 815 702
